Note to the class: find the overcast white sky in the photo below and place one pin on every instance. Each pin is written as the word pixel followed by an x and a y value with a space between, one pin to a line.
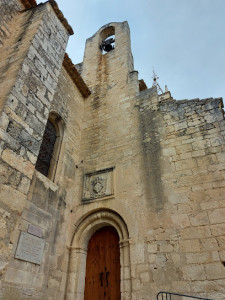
pixel 183 39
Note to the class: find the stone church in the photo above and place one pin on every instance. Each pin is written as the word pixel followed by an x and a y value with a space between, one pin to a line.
pixel 108 189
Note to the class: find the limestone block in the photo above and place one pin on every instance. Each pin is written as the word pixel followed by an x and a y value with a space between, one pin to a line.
pixel 53 283
pixel 177 258
pixel 202 257
pixel 204 286
pixel 222 255
pixel 9 140
pixel 201 144
pixel 217 216
pixel 4 121
pixel 161 260
pixel 218 184
pixel 142 268
pixel 152 258
pixel 126 273
pixel 221 241
pixel 32 157
pixel 217 141
pixel 221 156
pixel 208 160
pixel 31 143
pixel 198 153
pixel 184 148
pixel 190 245
pixel 181 220
pixel 209 244
pixel 23 277
pixel 202 187
pixel 127 285
pixel 218 229
pixel 63 282
pixel 152 248
pixel 137 253
pixel 3 227
pixel 144 277
pixel 12 198
pixel 194 272
pixel 177 197
pixel 181 286
pixel 215 270
pixel 34 123
pixel 169 151
pixel 24 185
pixel 195 232
pixel 181 125
pixel 186 155
pixel 190 180
pixel 18 162
pixel 166 248
pixel 199 219
pixel 136 284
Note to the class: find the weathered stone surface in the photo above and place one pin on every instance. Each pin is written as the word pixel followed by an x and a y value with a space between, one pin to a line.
pixel 18 162
pixel 217 216
pixel 165 194
pixel 215 270
pixel 12 198
pixel 190 246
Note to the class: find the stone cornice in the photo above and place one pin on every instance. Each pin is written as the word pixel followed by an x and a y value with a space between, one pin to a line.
pixel 75 76
pixel 32 3
pixel 28 3
pixel 61 17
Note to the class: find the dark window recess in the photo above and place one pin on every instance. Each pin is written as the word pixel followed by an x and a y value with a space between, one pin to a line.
pixel 46 150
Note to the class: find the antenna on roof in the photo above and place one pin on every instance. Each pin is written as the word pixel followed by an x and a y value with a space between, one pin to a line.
pixel 155 83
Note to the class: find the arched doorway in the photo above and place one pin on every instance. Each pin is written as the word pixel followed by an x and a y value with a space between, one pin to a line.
pixel 85 229
pixel 102 279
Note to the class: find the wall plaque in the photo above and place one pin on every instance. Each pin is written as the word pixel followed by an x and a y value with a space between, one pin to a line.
pixel 35 230
pixel 98 184
pixel 30 248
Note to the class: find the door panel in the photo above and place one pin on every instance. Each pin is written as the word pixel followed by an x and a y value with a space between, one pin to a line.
pixel 102 280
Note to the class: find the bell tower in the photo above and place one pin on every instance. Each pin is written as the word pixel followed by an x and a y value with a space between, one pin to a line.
pixel 108 61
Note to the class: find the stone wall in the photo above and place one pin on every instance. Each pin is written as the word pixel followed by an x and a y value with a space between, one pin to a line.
pixel 168 175
pixel 69 103
pixel 184 251
pixel 163 162
pixel 9 8
pixel 33 58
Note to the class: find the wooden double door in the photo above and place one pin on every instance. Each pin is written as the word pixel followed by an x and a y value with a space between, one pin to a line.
pixel 102 280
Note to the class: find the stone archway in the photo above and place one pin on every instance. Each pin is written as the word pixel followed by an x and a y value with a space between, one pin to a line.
pixel 85 228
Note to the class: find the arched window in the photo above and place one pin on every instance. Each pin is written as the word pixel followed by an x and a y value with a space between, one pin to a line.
pixel 50 147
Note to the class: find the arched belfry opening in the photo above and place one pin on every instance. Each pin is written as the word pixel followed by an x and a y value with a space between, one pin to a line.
pixel 92 231
pixel 107 39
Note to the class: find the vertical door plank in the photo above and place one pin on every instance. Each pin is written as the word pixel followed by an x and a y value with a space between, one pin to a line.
pixel 102 280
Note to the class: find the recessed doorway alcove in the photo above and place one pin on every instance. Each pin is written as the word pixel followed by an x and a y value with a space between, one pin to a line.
pixel 86 227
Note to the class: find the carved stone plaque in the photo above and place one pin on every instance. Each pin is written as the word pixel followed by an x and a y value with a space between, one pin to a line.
pixel 35 230
pixel 98 184
pixel 30 248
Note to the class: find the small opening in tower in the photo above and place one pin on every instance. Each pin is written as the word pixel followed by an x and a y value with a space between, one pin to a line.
pixel 108 44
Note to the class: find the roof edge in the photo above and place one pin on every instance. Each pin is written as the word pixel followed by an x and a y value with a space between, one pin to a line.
pixel 28 3
pixel 61 17
pixel 75 76
pixel 32 3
